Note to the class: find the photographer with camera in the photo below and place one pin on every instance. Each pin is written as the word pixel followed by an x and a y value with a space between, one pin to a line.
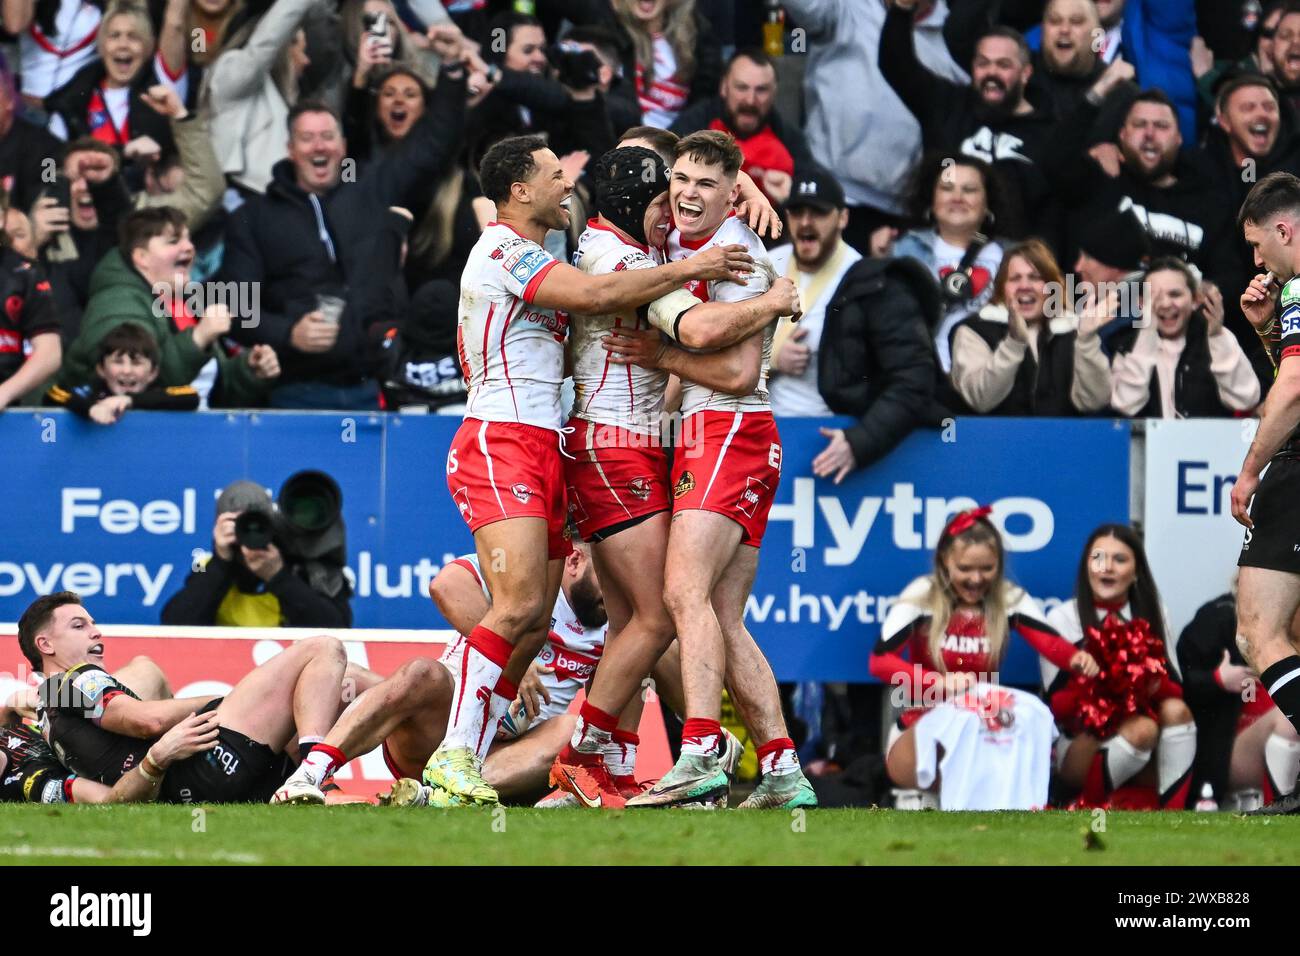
pixel 271 565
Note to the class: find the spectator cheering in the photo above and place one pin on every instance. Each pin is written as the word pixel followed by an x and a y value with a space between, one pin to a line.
pixel 961 197
pixel 124 378
pixel 745 108
pixel 671 51
pixel 1025 353
pixel 1114 589
pixel 56 38
pixel 31 322
pixel 863 341
pixel 24 146
pixel 1113 256
pixel 242 586
pixel 1182 362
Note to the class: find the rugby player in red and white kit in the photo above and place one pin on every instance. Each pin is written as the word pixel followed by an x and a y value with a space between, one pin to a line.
pixel 618 474
pixel 504 468
pixel 723 488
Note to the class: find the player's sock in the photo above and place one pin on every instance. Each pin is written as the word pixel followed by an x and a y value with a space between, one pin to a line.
pixel 591 735
pixel 1282 681
pixel 503 695
pixel 321 761
pixel 701 737
pixel 1282 761
pixel 620 753
pixel 306 743
pixel 486 654
pixel 1175 751
pixel 778 757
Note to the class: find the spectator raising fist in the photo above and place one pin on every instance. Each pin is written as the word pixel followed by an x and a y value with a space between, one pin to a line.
pixel 214 324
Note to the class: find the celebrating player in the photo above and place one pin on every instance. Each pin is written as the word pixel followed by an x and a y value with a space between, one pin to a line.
pixel 101 729
pixel 1268 593
pixel 503 467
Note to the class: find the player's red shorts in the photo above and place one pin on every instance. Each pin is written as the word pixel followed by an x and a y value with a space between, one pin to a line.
pixel 614 476
pixel 729 463
pixel 499 470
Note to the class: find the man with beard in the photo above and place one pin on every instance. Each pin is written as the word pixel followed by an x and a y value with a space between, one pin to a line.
pixel 744 108
pixel 991 118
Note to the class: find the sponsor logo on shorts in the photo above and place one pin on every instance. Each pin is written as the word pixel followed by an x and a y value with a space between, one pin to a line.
pixel 640 488
pixel 461 497
pixel 750 497
pixel 521 491
pixel 53 792
pixel 685 485
pixel 576 510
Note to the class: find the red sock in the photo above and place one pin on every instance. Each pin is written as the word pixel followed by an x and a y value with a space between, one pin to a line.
pixel 701 737
pixel 593 731
pixel 778 757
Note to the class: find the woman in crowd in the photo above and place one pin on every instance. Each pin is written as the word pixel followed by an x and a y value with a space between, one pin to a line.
pixel 1244 743
pixel 365 51
pixel 56 38
pixel 105 98
pixel 670 53
pixel 951 628
pixel 959 199
pixel 1114 588
pixel 1025 353
pixel 1182 362
pixel 210 18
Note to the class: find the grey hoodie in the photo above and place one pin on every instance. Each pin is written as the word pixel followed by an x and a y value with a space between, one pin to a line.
pixel 856 124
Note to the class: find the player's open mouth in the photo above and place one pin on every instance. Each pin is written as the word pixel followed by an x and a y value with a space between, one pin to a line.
pixel 95 650
pixel 688 213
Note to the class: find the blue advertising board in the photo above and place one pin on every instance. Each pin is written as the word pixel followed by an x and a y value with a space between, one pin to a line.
pixel 121 514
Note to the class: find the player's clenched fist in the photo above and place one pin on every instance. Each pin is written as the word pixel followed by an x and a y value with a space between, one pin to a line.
pixel 723 263
pixel 1259 301
pixel 786 294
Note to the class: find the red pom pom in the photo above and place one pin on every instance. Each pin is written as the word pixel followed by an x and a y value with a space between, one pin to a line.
pixel 1132 664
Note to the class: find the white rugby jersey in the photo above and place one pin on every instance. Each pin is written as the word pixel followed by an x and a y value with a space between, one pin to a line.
pixel 571 648
pixel 609 394
pixel 697 398
pixel 511 352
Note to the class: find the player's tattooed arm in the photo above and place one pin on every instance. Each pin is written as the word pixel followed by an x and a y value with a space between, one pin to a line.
pixel 129 717
pixel 717 325
pixel 734 370
pixel 565 287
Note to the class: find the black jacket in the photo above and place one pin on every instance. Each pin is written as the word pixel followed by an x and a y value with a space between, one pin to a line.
pixel 1196 392
pixel 1042 387
pixel 72 99
pixel 568 123
pixel 876 358
pixel 197 602
pixel 1200 651
pixel 23 151
pixel 276 240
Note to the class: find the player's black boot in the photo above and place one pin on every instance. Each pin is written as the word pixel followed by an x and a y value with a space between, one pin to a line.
pixel 1282 806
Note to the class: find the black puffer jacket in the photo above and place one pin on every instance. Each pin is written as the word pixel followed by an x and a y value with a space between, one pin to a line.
pixel 876 359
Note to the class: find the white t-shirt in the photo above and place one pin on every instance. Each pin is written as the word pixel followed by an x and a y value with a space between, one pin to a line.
pixel 947 258
pixel 572 649
pixel 798 394
pixel 625 395
pixel 511 353
pixel 663 99
pixel 733 231
pixel 50 60
pixel 997 750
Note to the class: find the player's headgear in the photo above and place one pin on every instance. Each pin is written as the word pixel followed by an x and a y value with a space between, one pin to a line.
pixel 627 179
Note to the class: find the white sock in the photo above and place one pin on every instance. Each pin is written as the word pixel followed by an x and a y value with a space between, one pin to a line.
pixel 471 701
pixel 316 766
pixel 1282 758
pixel 497 708
pixel 620 758
pixel 1123 760
pixel 1175 752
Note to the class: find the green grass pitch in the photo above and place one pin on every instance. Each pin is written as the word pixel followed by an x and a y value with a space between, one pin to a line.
pixel 362 834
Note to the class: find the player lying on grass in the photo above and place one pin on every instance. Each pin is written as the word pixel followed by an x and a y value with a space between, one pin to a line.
pixel 101 729
pixel 31 773
pixel 617 474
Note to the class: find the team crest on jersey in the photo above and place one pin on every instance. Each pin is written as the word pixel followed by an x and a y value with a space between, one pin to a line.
pixel 620 266
pixel 685 485
pixel 496 253
pixel 750 497
pixel 461 497
pixel 640 488
pixel 521 491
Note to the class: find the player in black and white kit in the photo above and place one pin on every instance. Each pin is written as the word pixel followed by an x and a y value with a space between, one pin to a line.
pixel 1269 582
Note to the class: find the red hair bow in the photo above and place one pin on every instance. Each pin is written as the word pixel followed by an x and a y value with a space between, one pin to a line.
pixel 966 520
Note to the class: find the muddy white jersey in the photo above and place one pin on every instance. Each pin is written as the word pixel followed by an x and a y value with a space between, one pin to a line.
pixel 608 394
pixel 733 231
pixel 511 352
pixel 572 650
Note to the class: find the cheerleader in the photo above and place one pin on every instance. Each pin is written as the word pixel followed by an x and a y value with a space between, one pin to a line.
pixel 1114 588
pixel 950 629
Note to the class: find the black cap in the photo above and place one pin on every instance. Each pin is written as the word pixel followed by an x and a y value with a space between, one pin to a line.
pixel 815 187
pixel 1117 239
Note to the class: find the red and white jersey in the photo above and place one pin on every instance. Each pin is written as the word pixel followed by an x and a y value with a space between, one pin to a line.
pixel 511 352
pixel 625 395
pixel 733 231
pixel 572 649
pixel 990 748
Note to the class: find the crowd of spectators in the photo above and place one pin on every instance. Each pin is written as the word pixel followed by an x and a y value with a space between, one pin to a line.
pixel 282 194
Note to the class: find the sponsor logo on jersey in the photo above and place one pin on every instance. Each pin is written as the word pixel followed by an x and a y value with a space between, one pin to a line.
pixel 640 488
pixel 524 265
pixel 53 792
pixel 1290 320
pixel 751 496
pixel 92 683
pixel 461 497
pixel 685 485
pixel 521 491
